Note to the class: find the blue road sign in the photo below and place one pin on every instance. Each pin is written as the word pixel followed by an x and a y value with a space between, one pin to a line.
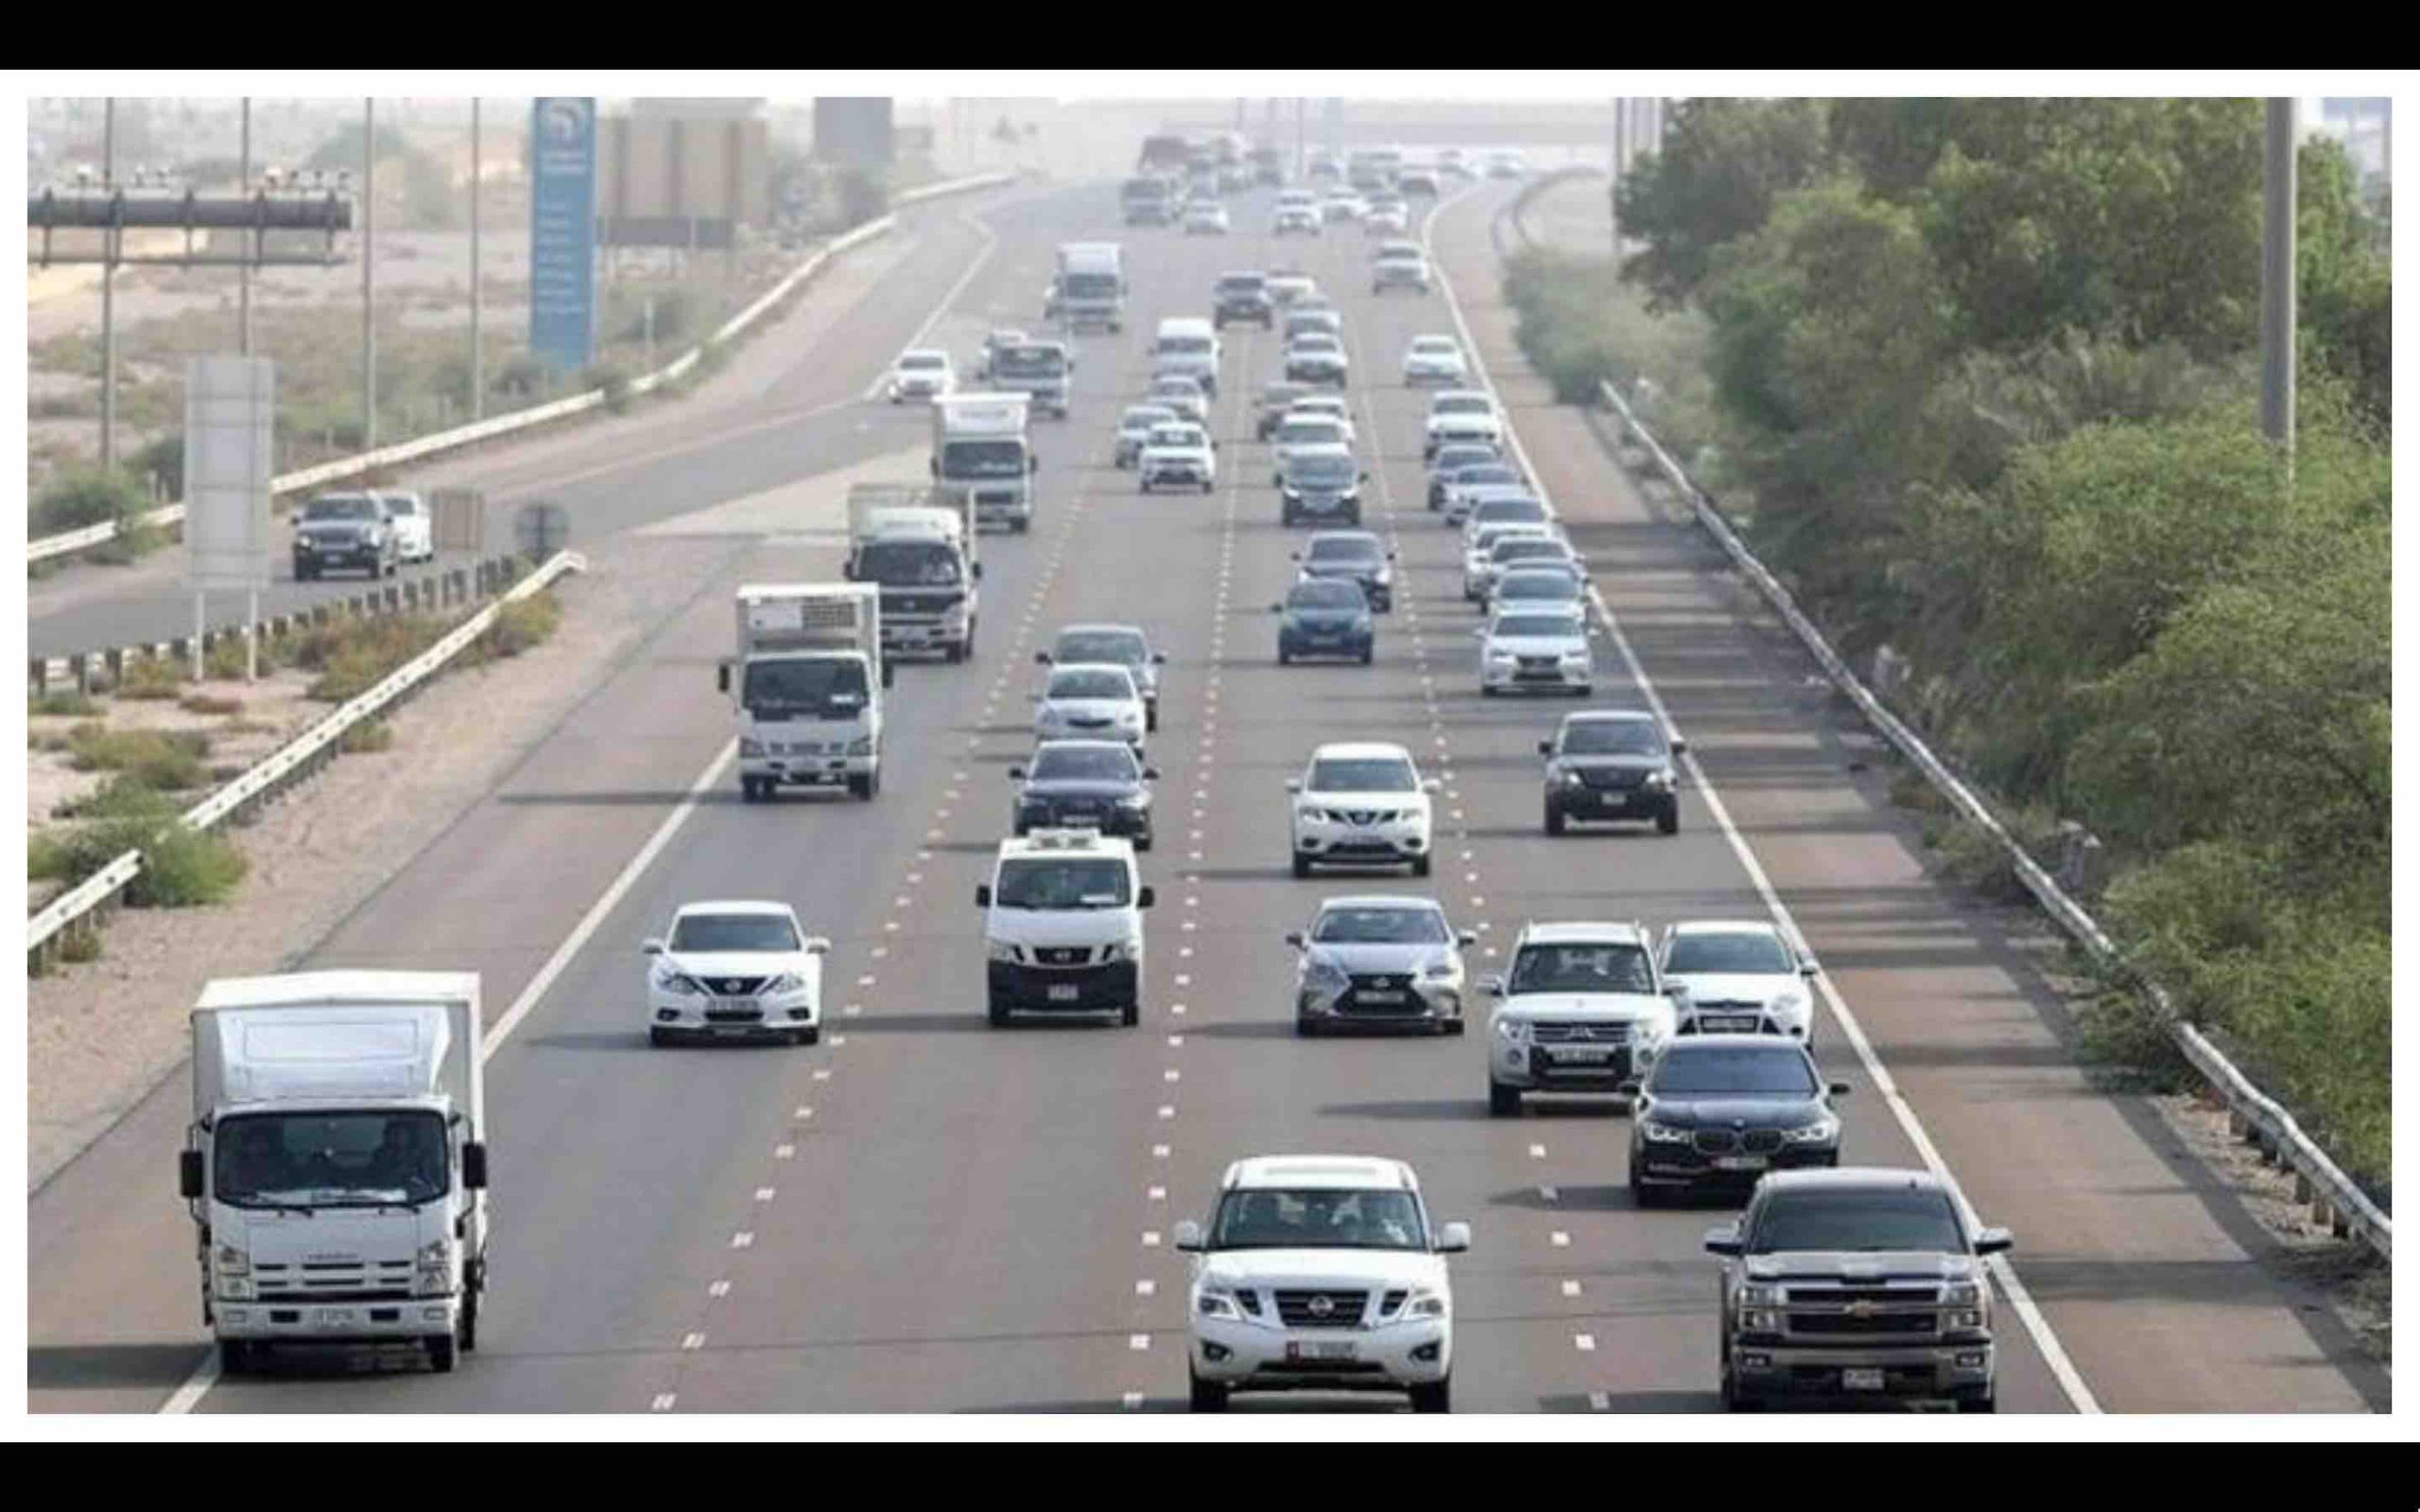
pixel 562 232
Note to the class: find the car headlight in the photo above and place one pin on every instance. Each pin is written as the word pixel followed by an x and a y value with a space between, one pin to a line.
pixel 1135 800
pixel 750 748
pixel 233 1261
pixel 999 950
pixel 1445 971
pixel 1658 780
pixel 679 984
pixel 1209 1303
pixel 1425 1302
pixel 1962 1293
pixel 1655 1133
pixel 862 745
pixel 1759 1295
pixel 1819 1132
pixel 1495 658
pixel 1791 1004
pixel 1123 950
pixel 1513 1031
pixel 1571 778
pixel 786 982
pixel 1309 814
pixel 1325 977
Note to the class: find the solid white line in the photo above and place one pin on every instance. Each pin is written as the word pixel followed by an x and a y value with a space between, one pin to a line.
pixel 205 1375
pixel 874 391
pixel 2079 1395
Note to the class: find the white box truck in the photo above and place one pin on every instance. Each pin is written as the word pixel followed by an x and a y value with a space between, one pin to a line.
pixel 1090 285
pixel 336 1162
pixel 916 546
pixel 808 687
pixel 981 452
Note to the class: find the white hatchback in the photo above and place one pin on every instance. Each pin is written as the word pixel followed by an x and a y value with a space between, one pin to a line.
pixel 1738 976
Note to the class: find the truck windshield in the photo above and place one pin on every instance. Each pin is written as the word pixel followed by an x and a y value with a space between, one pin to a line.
pixel 1091 286
pixel 1062 883
pixel 346 1159
pixel 1702 1070
pixel 983 459
pixel 1185 345
pixel 825 687
pixel 1317 1218
pixel 908 564
pixel 1030 362
pixel 1581 969
pixel 1907 1219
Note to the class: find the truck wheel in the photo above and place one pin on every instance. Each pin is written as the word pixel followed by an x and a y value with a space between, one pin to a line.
pixel 1453 1028
pixel 1152 716
pixel 658 1035
pixel 1436 1396
pixel 1368 652
pixel 1206 1396
pixel 441 1353
pixel 235 1357
pixel 1734 1399
pixel 1284 658
pixel 748 790
pixel 1554 818
pixel 1305 1028
pixel 861 787
pixel 1502 1101
pixel 1646 1194
pixel 1209 488
pixel 1146 486
pixel 466 1332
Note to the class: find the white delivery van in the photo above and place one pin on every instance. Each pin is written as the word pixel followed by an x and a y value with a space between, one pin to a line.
pixel 809 690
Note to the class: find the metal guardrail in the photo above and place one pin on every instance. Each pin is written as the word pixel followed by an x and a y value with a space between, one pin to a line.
pixel 2339 1203
pixel 446 440
pixel 297 758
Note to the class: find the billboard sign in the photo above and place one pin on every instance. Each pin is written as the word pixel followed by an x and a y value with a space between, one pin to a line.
pixel 562 232
pixel 230 405
pixel 853 131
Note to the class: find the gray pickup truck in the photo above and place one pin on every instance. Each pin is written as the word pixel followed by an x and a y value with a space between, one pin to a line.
pixel 1858 1283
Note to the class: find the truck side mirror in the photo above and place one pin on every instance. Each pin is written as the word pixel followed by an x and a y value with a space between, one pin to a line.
pixel 982 895
pixel 1723 1241
pixel 1807 968
pixel 1159 658
pixel 653 947
pixel 1146 898
pixel 1838 1089
pixel 1994 1242
pixel 189 1174
pixel 1545 748
pixel 1294 938
pixel 933 465
pixel 722 676
pixel 1016 774
pixel 475 1165
pixel 818 945
pixel 975 571
pixel 1494 986
pixel 1033 463
pixel 1150 774
pixel 1453 1237
pixel 1680 746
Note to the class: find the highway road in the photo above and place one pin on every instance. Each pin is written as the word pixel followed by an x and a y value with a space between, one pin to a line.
pixel 924 1214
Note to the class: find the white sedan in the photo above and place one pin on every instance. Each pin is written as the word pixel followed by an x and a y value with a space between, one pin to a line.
pixel 1542 648
pixel 1208 219
pixel 1090 700
pixel 921 374
pixel 1434 360
pixel 736 971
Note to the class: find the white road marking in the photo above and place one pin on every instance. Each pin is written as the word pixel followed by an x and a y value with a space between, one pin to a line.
pixel 662 1402
pixel 1558 1239
pixel 742 1240
pixel 1571 1288
pixel 1584 1343
pixel 693 1341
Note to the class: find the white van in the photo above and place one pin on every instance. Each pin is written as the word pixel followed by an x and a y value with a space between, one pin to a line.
pixel 1063 926
pixel 1188 345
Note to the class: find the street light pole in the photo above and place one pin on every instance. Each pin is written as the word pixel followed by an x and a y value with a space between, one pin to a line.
pixel 244 269
pixel 369 276
pixel 2277 280
pixel 110 249
pixel 478 377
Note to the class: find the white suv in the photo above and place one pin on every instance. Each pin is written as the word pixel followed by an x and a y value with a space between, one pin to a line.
pixel 1361 805
pixel 1738 976
pixel 1063 926
pixel 735 970
pixel 1463 415
pixel 1321 1273
pixel 415 528
pixel 1582 1010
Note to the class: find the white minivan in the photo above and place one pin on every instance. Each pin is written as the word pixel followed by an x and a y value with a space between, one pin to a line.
pixel 1187 345
pixel 1063 926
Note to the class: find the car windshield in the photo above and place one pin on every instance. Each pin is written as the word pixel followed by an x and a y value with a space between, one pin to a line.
pixel 1362 774
pixel 1176 389
pixel 1092 682
pixel 353 1159
pixel 1331 593
pixel 1483 473
pixel 1143 417
pixel 983 459
pixel 1509 512
pixel 1281 397
pixel 1090 285
pixel 1124 648
pixel 1701 1070
pixel 402 504
pixel 1564 627
pixel 1317 1218
pixel 908 564
pixel 1540 583
pixel 355 507
pixel 1310 432
pixel 1350 925
pixel 1105 762
pixel 703 933
pixel 1461 457
pixel 1053 883
pixel 1582 968
pixel 1748 952
pixel 1180 435
pixel 821 688
pixel 1320 468
pixel 924 359
pixel 1030 362
pixel 1316 341
pixel 1242 283
pixel 1612 737
pixel 1463 404
pixel 1185 345
pixel 1435 345
pixel 1527 548
pixel 1817 1220
pixel 1345 548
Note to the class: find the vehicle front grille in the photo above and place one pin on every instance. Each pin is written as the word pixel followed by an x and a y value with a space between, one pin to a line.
pixel 1062 954
pixel 1304 1308
pixel 1611 779
pixel 735 1015
pixel 1836 1325
pixel 1600 1034
pixel 1724 1141
pixel 333 1281
pixel 732 987
pixel 1845 1295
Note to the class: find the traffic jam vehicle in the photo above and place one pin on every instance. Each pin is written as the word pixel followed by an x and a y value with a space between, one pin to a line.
pixel 1738 976
pixel 1325 617
pixel 1612 763
pixel 735 970
pixel 1718 1110
pixel 1063 926
pixel 1380 961
pixel 1362 803
pixel 1580 1011
pixel 1125 644
pixel 1085 784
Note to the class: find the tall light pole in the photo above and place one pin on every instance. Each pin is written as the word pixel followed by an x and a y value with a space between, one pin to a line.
pixel 368 277
pixel 479 376
pixel 244 271
pixel 2277 280
pixel 109 292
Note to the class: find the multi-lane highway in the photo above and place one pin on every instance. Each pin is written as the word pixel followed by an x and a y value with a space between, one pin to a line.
pixel 926 1213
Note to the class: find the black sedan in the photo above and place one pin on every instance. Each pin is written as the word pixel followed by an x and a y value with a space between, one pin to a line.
pixel 1085 784
pixel 1720 1110
pixel 1325 616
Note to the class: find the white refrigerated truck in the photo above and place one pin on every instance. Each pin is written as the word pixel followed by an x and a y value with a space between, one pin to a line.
pixel 918 546
pixel 336 1162
pixel 807 683
pixel 982 453
pixel 1089 287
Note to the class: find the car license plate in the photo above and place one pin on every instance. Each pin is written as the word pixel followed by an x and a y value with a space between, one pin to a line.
pixel 743 1005
pixel 1319 1350
pixel 1862 1379
pixel 1739 1163
pixel 1065 992
pixel 338 1317
pixel 1382 997
pixel 1587 1054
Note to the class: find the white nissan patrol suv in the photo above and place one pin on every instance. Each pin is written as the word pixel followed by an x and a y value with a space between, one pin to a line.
pixel 1321 1273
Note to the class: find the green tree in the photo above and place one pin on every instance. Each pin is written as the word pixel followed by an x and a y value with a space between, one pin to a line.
pixel 2345 280
pixel 1722 165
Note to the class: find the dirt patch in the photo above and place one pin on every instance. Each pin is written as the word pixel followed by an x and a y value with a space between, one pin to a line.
pixel 100 1036
pixel 273 712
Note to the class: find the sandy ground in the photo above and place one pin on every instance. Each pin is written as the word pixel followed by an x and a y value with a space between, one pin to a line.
pixel 274 712
pixel 99 1036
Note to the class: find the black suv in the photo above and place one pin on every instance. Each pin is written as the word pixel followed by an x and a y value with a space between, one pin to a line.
pixel 1085 784
pixel 1722 1109
pixel 1325 616
pixel 1244 296
pixel 1612 763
